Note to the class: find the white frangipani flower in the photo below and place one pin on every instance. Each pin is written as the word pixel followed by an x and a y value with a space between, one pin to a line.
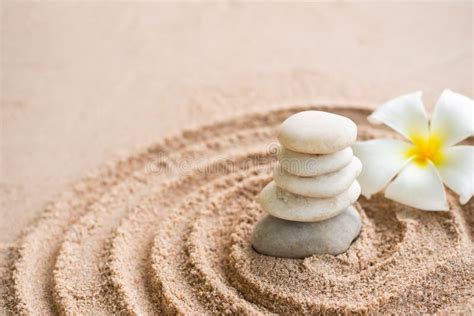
pixel 428 159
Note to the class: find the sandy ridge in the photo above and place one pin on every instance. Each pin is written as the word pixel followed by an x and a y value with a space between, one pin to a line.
pixel 166 230
pixel 104 216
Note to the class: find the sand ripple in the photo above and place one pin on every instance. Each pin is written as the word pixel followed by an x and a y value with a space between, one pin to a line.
pixel 167 230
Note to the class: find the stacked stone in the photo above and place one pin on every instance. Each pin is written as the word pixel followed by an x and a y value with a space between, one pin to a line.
pixel 309 203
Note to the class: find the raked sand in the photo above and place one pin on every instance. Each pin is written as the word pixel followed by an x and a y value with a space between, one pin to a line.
pixel 167 230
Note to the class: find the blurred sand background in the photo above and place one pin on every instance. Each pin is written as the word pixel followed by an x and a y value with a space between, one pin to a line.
pixel 83 81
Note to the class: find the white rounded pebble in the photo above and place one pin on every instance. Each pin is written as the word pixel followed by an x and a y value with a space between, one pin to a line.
pixel 326 185
pixel 310 165
pixel 317 132
pixel 288 206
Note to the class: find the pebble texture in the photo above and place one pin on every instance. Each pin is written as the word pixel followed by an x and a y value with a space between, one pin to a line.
pixel 309 165
pixel 317 132
pixel 324 186
pixel 276 237
pixel 311 192
pixel 292 207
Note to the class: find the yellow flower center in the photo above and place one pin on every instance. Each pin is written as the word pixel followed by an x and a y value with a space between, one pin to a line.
pixel 425 149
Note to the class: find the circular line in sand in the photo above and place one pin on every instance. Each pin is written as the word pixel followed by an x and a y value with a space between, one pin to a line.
pixel 167 229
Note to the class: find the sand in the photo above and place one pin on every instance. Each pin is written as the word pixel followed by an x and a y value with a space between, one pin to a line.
pixel 167 229
pixel 83 80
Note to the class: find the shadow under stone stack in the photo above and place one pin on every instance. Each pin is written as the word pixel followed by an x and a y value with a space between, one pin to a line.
pixel 309 203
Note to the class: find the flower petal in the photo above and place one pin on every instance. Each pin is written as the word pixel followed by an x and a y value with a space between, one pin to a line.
pixel 405 114
pixel 418 187
pixel 381 160
pixel 453 118
pixel 457 171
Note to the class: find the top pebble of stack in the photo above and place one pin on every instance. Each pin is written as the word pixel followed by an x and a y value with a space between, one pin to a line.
pixel 317 132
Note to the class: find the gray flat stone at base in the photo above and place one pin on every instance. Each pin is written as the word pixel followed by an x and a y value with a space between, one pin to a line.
pixel 280 238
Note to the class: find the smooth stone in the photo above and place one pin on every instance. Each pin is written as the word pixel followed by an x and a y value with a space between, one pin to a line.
pixel 280 238
pixel 310 165
pixel 317 132
pixel 291 207
pixel 323 186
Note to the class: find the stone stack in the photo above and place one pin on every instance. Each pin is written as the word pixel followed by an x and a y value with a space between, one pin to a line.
pixel 309 203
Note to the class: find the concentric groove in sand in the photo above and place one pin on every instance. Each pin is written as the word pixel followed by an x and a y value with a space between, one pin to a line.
pixel 196 270
pixel 88 236
pixel 137 239
pixel 137 230
pixel 31 288
pixel 279 299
